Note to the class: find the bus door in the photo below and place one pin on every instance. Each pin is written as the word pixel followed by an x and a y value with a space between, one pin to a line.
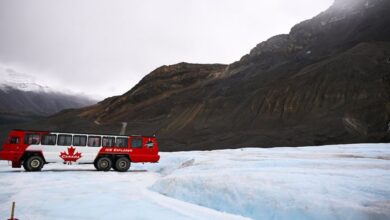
pixel 138 151
pixel 151 148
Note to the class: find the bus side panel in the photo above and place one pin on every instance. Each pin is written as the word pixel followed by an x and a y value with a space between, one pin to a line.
pixel 115 150
pixel 11 155
pixel 52 153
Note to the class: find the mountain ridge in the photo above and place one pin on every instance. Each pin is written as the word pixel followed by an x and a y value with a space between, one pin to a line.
pixel 23 99
pixel 326 82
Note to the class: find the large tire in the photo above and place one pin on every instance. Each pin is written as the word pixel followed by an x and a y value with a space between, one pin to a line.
pixel 95 165
pixel 33 163
pixel 25 166
pixel 104 164
pixel 122 164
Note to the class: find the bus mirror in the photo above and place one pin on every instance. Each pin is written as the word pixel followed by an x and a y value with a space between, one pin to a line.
pixel 150 144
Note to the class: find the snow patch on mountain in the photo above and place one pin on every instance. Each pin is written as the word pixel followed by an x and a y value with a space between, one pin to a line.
pixel 9 78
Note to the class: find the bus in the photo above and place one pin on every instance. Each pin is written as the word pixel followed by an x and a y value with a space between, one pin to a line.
pixel 34 149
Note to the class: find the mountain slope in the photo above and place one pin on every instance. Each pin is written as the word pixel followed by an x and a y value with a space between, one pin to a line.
pixel 39 103
pixel 22 99
pixel 327 81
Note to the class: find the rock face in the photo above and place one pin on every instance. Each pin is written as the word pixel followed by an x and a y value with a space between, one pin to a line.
pixel 326 82
pixel 156 87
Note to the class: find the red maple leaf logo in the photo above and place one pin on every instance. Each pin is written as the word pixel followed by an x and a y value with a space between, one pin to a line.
pixel 70 156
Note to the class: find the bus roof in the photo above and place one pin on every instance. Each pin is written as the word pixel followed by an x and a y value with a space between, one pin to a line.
pixel 82 133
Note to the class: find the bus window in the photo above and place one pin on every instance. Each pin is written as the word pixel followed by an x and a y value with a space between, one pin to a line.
pixel 94 141
pixel 80 140
pixel 108 141
pixel 136 142
pixel 64 140
pixel 14 140
pixel 31 139
pixel 122 142
pixel 49 139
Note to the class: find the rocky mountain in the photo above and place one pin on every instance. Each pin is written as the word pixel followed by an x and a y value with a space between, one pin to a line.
pixel 326 82
pixel 22 99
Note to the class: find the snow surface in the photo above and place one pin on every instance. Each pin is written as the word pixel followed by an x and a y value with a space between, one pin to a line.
pixel 327 182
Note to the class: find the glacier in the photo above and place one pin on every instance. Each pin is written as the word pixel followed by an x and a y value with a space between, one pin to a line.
pixel 323 182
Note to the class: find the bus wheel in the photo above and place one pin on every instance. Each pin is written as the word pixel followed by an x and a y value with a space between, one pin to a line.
pixel 33 163
pixel 95 165
pixel 122 164
pixel 104 164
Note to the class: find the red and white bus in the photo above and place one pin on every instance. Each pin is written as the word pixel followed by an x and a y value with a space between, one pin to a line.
pixel 33 149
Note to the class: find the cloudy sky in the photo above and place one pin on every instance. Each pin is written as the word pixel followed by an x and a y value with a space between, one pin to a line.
pixel 103 48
